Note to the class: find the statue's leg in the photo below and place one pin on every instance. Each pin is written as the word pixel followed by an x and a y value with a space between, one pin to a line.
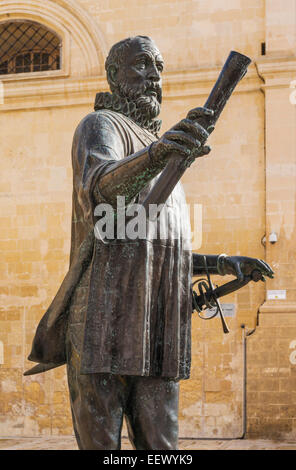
pixel 152 413
pixel 97 409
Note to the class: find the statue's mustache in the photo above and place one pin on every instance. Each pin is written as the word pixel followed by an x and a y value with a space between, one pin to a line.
pixel 153 87
pixel 148 88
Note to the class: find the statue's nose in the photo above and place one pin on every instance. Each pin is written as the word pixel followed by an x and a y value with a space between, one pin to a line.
pixel 153 73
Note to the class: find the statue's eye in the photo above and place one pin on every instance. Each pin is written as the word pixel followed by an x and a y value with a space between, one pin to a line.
pixel 141 64
pixel 159 66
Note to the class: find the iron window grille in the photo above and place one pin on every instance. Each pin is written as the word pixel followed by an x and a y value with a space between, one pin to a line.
pixel 28 47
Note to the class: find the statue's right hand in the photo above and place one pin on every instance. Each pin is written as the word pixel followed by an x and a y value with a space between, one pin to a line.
pixel 187 138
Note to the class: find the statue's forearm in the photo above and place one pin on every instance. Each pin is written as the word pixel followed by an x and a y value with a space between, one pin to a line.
pixel 199 267
pixel 128 177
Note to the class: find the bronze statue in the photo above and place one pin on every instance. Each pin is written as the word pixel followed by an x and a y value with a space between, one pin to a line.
pixel 121 319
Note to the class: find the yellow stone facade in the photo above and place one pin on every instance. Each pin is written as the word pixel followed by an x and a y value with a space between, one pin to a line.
pixel 244 382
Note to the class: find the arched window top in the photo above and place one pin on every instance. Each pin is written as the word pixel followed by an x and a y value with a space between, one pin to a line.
pixel 28 47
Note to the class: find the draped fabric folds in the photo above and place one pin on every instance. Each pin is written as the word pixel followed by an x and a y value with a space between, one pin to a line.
pixel 124 305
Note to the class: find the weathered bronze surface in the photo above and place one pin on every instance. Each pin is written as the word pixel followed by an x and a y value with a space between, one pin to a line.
pixel 121 319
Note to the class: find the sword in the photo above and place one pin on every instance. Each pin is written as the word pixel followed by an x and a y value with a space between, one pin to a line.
pixel 209 297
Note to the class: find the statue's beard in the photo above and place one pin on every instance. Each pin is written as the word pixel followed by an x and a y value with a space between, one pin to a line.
pixel 148 104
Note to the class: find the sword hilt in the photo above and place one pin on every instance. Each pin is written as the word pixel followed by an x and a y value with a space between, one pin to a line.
pixel 209 297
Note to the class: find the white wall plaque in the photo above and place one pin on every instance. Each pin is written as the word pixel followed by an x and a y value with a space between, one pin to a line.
pixel 276 294
pixel 227 309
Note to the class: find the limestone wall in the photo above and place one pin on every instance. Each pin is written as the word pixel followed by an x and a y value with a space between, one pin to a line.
pixel 246 188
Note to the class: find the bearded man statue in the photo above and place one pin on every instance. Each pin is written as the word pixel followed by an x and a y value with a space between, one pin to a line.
pixel 121 320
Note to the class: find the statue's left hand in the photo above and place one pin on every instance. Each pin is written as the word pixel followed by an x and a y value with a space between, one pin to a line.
pixel 241 266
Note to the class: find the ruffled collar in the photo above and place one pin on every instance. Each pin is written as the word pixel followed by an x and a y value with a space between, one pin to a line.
pixel 128 108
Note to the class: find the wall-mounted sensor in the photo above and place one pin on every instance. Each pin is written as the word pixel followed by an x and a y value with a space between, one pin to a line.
pixel 273 238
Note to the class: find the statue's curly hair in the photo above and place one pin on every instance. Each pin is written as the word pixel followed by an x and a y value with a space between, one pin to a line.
pixel 118 52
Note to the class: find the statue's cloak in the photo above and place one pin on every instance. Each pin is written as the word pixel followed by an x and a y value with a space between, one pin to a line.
pixel 125 306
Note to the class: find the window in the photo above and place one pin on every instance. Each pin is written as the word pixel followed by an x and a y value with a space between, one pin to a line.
pixel 28 47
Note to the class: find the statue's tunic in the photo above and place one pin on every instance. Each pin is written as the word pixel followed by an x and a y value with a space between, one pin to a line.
pixel 124 307
pixel 131 314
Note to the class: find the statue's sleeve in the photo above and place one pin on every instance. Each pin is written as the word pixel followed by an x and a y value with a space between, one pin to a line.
pixel 199 264
pixel 98 144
